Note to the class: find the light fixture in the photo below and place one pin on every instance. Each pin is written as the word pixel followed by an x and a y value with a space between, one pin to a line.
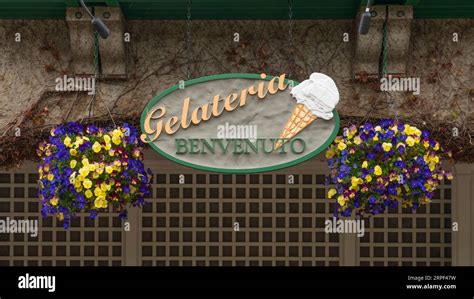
pixel 364 23
pixel 97 23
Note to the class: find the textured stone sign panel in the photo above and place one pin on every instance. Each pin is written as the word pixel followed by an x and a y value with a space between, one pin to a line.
pixel 269 115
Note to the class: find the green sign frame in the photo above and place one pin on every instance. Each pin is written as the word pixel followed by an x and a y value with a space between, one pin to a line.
pixel 306 157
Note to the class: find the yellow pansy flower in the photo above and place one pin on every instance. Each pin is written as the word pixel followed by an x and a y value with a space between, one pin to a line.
pixel 85 162
pixel 410 141
pixel 109 169
pixel 98 192
pixel 96 147
pixel 100 202
pixel 87 183
pixel 355 181
pixel 77 184
pixel 67 141
pixel 79 141
pixel 341 200
pixel 408 130
pixel 116 140
pixel 99 170
pixel 50 177
pixel 357 140
pixel 416 131
pixel 103 187
pixel 365 164
pixel 426 158
pixel 73 152
pixel 387 146
pixel 331 193
pixel 88 193
pixel 341 146
pixel 54 201
pixel 117 133
pixel 84 171
pixel 107 138
pixel 73 163
pixel 329 153
pixel 378 170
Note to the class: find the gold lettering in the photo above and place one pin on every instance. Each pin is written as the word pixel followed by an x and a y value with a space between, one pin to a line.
pixel 261 92
pixel 204 117
pixel 252 90
pixel 184 114
pixel 169 124
pixel 199 114
pixel 243 97
pixel 271 86
pixel 228 102
pixel 215 106
pixel 147 124
pixel 281 82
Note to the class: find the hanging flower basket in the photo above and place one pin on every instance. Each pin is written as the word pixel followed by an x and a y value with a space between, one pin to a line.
pixel 86 168
pixel 375 167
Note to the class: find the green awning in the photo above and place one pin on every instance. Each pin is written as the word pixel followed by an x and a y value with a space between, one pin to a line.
pixel 233 9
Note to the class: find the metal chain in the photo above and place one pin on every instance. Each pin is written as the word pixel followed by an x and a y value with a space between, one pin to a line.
pixel 96 78
pixel 96 54
pixel 188 40
pixel 384 50
pixel 467 119
pixel 290 38
pixel 391 104
pixel 96 72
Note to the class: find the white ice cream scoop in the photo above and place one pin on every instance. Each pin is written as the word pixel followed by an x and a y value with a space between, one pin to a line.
pixel 315 97
pixel 319 93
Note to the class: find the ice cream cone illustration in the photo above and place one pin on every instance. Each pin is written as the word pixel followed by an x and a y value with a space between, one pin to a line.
pixel 315 97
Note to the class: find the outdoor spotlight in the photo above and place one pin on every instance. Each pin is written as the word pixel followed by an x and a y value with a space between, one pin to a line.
pixel 365 19
pixel 97 23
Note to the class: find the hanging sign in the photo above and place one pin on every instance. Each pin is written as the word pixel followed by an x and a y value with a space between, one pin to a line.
pixel 242 123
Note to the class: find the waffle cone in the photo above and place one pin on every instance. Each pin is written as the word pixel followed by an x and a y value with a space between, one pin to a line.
pixel 299 119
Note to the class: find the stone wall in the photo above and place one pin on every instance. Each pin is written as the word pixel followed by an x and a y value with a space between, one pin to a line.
pixel 158 60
